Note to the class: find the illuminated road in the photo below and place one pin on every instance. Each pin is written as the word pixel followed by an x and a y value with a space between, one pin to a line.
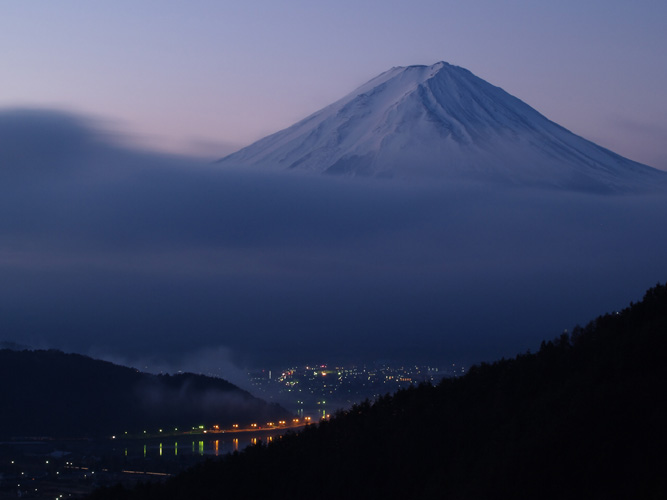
pixel 283 425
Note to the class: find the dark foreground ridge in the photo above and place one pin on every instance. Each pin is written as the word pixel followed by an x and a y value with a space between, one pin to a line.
pixel 53 394
pixel 582 418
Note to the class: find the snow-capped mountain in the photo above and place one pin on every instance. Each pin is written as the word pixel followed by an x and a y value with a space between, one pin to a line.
pixel 442 121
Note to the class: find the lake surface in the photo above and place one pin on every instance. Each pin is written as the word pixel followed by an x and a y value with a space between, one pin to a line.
pixel 197 445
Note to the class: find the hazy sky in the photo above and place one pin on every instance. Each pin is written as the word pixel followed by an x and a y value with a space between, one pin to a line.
pixel 208 76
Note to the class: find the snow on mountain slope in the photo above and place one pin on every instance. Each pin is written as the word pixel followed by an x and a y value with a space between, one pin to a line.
pixel 442 121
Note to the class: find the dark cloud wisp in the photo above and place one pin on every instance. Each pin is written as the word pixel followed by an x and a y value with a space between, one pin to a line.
pixel 109 250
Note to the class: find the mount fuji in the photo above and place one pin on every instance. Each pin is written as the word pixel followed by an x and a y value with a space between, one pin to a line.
pixel 441 121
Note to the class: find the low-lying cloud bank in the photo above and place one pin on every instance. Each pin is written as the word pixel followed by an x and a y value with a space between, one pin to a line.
pixel 106 249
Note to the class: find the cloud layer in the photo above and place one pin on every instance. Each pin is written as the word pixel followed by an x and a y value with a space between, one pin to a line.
pixel 104 249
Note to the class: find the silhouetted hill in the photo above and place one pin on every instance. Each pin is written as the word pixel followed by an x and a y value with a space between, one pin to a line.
pixel 582 418
pixel 50 393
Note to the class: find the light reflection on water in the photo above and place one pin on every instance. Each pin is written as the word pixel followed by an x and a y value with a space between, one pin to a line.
pixel 209 446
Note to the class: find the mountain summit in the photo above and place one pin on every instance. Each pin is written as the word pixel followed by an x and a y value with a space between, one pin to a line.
pixel 442 121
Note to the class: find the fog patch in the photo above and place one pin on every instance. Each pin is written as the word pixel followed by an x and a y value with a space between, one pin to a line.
pixel 214 361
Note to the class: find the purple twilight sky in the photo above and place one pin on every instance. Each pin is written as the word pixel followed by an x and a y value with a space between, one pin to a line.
pixel 206 77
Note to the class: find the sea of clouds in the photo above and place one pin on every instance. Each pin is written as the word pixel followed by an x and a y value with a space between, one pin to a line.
pixel 136 255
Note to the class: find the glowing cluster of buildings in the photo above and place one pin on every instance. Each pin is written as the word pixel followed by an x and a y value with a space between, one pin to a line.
pixel 314 386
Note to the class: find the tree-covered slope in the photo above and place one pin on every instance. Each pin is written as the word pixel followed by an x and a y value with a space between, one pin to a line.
pixel 582 418
pixel 50 393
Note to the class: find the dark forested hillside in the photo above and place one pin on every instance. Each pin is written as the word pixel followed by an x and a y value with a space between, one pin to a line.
pixel 582 418
pixel 50 393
